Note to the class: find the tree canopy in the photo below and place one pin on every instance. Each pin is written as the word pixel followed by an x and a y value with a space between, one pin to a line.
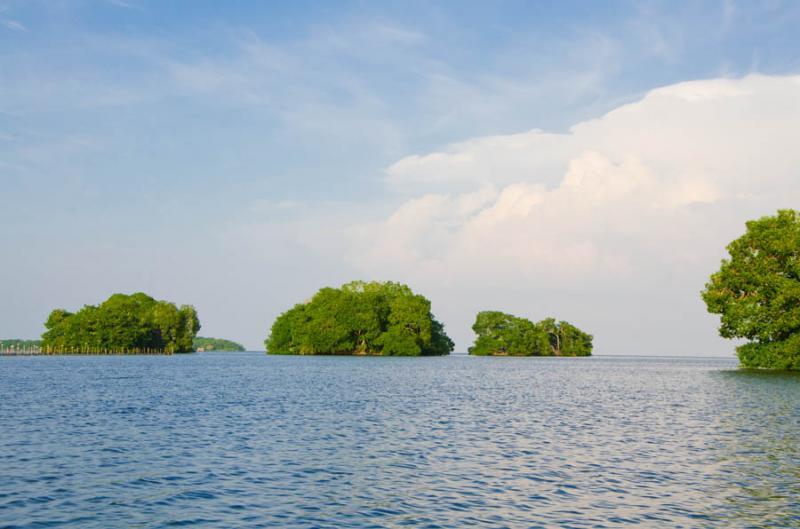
pixel 757 292
pixel 502 334
pixel 360 318
pixel 122 324
pixel 201 343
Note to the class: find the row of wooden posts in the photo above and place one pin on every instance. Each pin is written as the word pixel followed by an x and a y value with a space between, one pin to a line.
pixel 36 350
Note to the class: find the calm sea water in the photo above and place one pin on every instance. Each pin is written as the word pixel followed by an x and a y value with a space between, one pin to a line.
pixel 247 440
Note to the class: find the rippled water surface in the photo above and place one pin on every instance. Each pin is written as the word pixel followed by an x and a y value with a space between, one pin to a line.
pixel 247 440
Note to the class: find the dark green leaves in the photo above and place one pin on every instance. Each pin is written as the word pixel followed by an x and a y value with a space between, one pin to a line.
pixel 501 334
pixel 122 324
pixel 360 318
pixel 757 292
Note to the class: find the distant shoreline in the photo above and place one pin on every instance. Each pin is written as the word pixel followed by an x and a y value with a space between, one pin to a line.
pixel 262 352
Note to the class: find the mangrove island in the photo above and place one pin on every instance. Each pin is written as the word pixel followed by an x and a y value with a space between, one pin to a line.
pixel 360 318
pixel 202 344
pixel 123 324
pixel 501 334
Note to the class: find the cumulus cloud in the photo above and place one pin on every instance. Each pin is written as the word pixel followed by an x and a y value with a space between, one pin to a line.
pixel 639 202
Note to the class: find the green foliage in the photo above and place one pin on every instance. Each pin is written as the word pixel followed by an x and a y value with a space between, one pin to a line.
pixel 122 324
pixel 215 344
pixel 362 319
pixel 17 344
pixel 501 334
pixel 757 292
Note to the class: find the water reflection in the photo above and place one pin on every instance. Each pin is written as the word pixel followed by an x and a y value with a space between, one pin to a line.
pixel 758 452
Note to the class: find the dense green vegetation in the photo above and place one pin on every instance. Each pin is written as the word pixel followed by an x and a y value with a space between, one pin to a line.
pixel 757 292
pixel 360 319
pixel 122 324
pixel 16 344
pixel 501 334
pixel 201 343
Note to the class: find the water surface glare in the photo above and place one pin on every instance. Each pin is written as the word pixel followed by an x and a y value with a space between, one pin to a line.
pixel 246 440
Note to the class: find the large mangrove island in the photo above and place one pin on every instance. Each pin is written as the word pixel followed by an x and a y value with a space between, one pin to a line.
pixel 360 318
pixel 123 324
pixel 501 334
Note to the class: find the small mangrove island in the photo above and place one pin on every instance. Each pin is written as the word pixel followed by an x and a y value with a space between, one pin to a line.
pixel 201 344
pixel 360 318
pixel 123 324
pixel 501 334
pixel 757 292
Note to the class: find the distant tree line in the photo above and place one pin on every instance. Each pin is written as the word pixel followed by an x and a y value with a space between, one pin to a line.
pixel 362 319
pixel 756 292
pixel 123 323
pixel 201 343
pixel 501 334
pixel 19 344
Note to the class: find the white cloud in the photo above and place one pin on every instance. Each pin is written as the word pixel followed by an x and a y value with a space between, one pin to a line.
pixel 14 25
pixel 123 4
pixel 639 202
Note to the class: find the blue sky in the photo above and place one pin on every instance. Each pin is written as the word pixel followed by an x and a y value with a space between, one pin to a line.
pixel 234 154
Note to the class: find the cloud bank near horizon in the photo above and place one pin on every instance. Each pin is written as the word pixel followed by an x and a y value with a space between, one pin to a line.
pixel 615 224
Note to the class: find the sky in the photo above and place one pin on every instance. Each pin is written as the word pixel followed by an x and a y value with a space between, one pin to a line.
pixel 582 160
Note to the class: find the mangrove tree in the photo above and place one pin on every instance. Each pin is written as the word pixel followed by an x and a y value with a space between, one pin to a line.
pixel 756 292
